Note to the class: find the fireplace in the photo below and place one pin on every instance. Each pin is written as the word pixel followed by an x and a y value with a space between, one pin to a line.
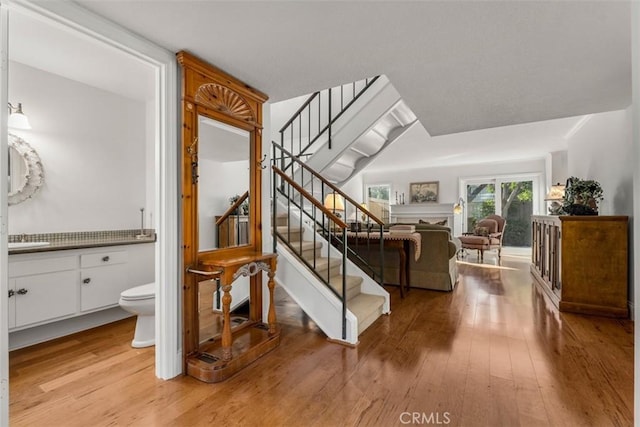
pixel 430 212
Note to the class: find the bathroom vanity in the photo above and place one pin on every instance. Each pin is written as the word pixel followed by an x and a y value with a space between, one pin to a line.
pixel 67 287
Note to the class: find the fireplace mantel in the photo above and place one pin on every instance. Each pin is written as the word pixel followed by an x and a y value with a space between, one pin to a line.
pixel 414 212
pixel 430 212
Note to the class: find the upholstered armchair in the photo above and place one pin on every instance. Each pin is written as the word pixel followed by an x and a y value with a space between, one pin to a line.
pixel 486 236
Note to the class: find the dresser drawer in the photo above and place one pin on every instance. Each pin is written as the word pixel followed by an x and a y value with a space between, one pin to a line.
pixel 40 266
pixel 103 258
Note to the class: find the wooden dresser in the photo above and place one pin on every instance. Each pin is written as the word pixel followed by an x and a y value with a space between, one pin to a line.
pixel 233 231
pixel 580 262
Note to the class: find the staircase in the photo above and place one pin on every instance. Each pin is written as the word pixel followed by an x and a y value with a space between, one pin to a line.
pixel 363 308
pixel 317 261
pixel 358 122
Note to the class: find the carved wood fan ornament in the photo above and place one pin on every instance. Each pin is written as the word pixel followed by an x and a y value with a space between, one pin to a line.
pixel 225 101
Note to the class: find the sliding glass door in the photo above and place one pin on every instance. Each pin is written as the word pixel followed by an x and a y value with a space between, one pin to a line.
pixel 481 201
pixel 517 208
pixel 511 197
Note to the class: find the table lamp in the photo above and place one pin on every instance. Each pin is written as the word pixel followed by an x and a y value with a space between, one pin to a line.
pixel 334 203
pixel 555 196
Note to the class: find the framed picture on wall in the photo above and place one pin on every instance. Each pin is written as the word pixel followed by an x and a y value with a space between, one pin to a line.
pixel 423 192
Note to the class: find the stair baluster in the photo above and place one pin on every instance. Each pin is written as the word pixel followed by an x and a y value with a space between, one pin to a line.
pixel 325 117
pixel 326 222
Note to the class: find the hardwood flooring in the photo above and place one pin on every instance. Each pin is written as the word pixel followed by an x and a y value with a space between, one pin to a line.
pixel 492 353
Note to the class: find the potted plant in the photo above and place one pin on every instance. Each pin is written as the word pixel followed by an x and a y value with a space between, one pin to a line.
pixel 581 196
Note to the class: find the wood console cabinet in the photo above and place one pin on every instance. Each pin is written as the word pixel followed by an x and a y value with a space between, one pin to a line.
pixel 580 262
pixel 233 231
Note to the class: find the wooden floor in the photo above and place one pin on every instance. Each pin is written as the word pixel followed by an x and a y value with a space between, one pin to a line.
pixel 491 353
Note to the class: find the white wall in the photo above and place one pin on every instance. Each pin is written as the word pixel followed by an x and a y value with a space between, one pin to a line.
pixel 92 144
pixel 603 150
pixel 354 188
pixel 150 162
pixel 557 169
pixel 447 176
pixel 280 113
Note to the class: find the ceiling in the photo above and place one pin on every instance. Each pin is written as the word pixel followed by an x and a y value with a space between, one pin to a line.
pixel 460 66
pixel 502 144
pixel 52 48
pixel 515 76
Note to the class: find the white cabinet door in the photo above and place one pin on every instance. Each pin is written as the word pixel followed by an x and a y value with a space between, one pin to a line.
pixel 101 286
pixel 45 296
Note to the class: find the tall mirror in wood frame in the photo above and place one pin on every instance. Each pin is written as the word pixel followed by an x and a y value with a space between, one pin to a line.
pixel 223 217
pixel 221 191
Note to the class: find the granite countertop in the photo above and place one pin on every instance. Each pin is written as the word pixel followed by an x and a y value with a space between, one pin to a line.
pixel 68 241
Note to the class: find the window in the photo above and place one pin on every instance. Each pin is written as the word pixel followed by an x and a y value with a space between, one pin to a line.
pixel 378 201
pixel 512 197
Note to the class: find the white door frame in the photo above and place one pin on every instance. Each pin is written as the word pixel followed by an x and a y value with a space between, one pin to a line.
pixel 4 209
pixel 365 196
pixel 535 177
pixel 167 271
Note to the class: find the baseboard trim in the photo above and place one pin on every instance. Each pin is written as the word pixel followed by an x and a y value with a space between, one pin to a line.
pixel 343 343
pixel 38 334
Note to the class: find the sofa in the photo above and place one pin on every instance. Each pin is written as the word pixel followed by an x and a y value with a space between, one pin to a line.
pixel 436 268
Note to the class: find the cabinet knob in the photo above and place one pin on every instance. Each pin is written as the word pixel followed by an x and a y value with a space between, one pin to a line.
pixel 87 280
pixel 105 258
pixel 22 291
pixel 11 293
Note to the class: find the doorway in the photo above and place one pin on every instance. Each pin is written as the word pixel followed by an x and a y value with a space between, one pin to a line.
pixel 378 200
pixel 88 26
pixel 514 197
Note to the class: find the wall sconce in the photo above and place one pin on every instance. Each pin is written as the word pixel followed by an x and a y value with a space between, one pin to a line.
pixel 17 119
pixel 334 203
pixel 555 196
pixel 458 208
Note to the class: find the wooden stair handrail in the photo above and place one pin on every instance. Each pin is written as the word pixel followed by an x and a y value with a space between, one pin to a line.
pixel 339 222
pixel 327 183
pixel 232 208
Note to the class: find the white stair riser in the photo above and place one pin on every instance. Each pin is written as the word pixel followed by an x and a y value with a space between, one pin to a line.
pixel 328 269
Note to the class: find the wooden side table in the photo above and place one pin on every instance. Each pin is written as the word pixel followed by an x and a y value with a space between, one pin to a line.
pixel 220 359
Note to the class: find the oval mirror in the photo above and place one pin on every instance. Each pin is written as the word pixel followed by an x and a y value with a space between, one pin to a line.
pixel 26 175
pixel 223 185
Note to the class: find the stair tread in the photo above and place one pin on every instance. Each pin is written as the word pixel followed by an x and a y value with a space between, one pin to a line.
pixel 351 280
pixel 282 219
pixel 364 304
pixel 353 285
pixel 285 228
pixel 324 263
pixel 305 245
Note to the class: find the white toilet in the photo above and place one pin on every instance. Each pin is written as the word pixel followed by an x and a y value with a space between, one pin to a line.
pixel 141 301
